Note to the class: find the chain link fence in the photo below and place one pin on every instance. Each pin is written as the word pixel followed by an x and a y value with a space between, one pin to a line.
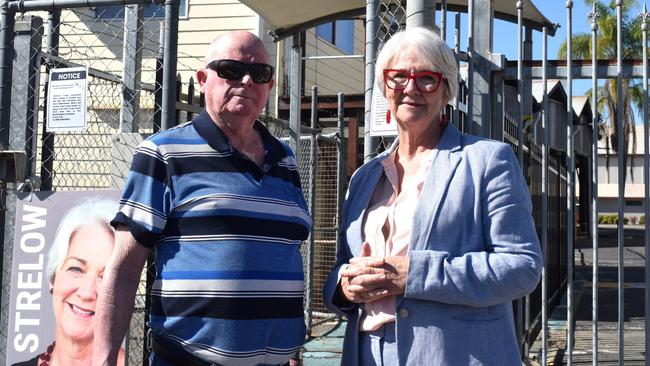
pixel 95 38
pixel 318 165
pixel 91 38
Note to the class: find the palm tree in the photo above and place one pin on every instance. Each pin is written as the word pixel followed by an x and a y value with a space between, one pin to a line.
pixel 607 95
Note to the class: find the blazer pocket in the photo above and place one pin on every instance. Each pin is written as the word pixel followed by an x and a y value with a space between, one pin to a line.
pixel 488 314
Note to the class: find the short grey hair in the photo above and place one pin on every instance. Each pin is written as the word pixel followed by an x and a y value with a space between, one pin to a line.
pixel 432 49
pixel 92 212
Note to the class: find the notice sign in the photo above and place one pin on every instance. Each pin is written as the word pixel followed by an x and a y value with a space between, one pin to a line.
pixel 382 123
pixel 66 99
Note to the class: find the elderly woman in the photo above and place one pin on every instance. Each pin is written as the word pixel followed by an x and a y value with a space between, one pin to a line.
pixel 437 235
pixel 82 246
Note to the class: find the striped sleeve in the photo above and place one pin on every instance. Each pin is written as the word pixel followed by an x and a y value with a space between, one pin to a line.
pixel 147 197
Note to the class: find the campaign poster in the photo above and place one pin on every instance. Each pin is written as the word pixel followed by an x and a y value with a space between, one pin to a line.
pixel 34 301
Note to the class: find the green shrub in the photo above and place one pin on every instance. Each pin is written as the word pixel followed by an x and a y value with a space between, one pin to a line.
pixel 611 219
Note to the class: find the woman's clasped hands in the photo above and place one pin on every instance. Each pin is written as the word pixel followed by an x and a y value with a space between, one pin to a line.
pixel 368 278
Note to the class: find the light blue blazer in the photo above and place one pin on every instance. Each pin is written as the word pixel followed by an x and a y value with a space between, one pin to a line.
pixel 473 250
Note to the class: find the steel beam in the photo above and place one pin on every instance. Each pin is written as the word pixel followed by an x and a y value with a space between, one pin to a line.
pixel 646 178
pixel 570 175
pixel 594 185
pixel 51 5
pixel 295 92
pixel 621 158
pixel 482 19
pixel 420 13
pixel 581 69
pixel 372 31
pixel 168 109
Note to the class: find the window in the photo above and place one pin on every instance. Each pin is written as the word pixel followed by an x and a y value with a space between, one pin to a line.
pixel 150 11
pixel 339 33
pixel 629 202
pixel 326 32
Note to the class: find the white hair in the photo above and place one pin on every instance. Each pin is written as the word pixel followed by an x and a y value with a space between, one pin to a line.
pixel 431 48
pixel 92 212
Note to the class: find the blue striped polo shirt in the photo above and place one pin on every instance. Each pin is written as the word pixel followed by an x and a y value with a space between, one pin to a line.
pixel 227 235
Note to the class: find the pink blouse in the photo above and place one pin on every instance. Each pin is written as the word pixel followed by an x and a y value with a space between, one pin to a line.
pixel 387 228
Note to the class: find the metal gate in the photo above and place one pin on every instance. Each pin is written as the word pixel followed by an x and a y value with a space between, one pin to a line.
pixel 558 152
pixel 123 48
pixel 120 48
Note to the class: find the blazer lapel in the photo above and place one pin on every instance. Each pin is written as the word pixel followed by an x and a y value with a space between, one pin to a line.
pixel 445 161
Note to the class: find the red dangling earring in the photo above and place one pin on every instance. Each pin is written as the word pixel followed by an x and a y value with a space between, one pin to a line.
pixel 388 116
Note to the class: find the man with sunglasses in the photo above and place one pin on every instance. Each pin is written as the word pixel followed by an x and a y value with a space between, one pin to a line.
pixel 219 199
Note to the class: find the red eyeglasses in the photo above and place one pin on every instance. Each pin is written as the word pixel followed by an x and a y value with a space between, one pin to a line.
pixel 425 81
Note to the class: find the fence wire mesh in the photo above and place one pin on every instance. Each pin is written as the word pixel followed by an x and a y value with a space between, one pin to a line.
pixel 92 38
pixel 318 172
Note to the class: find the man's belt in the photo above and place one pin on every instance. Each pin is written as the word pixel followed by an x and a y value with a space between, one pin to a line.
pixel 173 353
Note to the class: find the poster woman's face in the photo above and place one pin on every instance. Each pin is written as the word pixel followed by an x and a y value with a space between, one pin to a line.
pixel 78 281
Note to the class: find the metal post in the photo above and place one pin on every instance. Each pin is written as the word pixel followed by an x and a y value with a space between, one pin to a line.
pixel 340 161
pixel 132 61
pixel 21 134
pixel 456 114
pixel 520 145
pixel 372 31
pixel 7 24
pixel 527 101
pixel 544 197
pixel 312 205
pixel 527 85
pixel 47 139
pixel 482 19
pixel 520 84
pixel 443 20
pixel 594 184
pixel 295 92
pixel 621 179
pixel 569 184
pixel 169 65
pixel 420 13
pixel 646 178
pixel 469 118
pixel 26 87
pixel 158 83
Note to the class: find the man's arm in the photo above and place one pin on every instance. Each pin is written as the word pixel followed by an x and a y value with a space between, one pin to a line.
pixel 115 302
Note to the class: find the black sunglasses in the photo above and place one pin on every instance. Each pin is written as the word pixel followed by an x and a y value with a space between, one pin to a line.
pixel 235 70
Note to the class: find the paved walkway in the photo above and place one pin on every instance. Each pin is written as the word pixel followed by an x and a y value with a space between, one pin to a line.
pixel 634 287
pixel 324 349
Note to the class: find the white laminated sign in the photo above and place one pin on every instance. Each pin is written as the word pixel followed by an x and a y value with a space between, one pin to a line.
pixel 66 99
pixel 382 123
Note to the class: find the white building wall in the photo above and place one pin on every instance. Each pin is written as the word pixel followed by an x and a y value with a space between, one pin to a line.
pixel 608 179
pixel 332 76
